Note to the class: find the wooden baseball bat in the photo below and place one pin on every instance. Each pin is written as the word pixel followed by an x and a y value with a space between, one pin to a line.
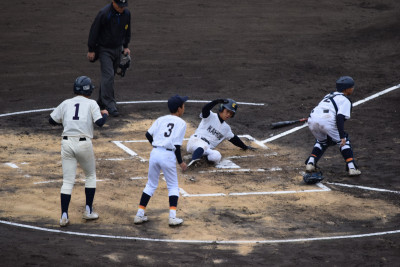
pixel 285 123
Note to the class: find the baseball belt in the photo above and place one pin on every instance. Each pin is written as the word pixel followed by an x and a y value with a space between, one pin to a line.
pixel 169 149
pixel 202 138
pixel 80 139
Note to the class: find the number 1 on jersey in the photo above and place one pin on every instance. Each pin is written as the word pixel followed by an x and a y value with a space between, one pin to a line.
pixel 76 117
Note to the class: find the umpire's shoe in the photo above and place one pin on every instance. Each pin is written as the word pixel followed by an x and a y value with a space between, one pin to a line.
pixel 90 216
pixel 113 113
pixel 175 221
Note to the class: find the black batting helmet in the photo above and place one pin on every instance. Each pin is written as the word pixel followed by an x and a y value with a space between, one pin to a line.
pixel 231 105
pixel 83 86
pixel 344 82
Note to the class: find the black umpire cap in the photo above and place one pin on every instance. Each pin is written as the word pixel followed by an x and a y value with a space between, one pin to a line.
pixel 121 3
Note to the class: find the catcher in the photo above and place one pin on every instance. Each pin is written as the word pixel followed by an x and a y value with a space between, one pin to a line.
pixel 326 123
pixel 212 130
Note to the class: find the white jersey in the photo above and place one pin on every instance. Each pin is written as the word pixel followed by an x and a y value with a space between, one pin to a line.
pixel 168 131
pixel 213 130
pixel 77 116
pixel 322 121
pixel 343 105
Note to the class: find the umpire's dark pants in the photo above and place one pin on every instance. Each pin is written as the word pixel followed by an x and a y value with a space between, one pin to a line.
pixel 109 62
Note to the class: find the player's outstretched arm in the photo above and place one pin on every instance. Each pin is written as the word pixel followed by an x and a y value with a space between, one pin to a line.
pixel 239 143
pixel 208 107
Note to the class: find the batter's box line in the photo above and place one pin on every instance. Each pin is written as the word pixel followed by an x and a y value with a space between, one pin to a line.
pixel 365 188
pixel 128 150
pixel 322 187
pixel 76 181
pixel 242 170
pixel 134 154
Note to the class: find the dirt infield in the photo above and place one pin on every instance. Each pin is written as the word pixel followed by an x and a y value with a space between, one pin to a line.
pixel 276 58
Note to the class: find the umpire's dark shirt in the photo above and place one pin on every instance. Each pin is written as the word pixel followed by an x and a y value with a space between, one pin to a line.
pixel 110 29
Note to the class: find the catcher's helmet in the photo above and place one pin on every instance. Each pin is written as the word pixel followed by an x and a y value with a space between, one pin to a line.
pixel 344 82
pixel 231 105
pixel 83 86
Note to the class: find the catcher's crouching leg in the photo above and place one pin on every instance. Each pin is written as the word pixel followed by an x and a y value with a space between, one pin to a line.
pixel 317 152
pixel 347 153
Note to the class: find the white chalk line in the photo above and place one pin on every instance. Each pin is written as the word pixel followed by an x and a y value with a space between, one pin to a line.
pixel 128 150
pixel 60 181
pixel 322 187
pixel 11 165
pixel 272 241
pixel 189 101
pixel 214 241
pixel 365 188
pixel 126 102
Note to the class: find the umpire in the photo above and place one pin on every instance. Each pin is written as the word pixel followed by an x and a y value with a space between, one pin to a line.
pixel 109 37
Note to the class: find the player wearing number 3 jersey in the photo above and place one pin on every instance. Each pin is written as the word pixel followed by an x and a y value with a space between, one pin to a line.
pixel 166 136
pixel 77 115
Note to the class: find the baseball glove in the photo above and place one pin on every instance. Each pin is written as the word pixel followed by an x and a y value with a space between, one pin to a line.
pixel 313 178
pixel 124 65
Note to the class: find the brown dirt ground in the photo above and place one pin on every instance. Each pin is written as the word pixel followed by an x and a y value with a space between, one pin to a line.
pixel 285 54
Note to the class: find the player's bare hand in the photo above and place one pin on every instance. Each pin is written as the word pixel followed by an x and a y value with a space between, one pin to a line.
pixel 127 51
pixel 183 166
pixel 342 142
pixel 104 111
pixel 90 55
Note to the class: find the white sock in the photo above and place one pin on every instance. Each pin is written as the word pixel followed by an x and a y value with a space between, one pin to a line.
pixel 64 215
pixel 88 209
pixel 172 213
pixel 311 160
pixel 351 165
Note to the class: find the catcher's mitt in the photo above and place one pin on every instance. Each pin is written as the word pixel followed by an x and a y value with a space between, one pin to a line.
pixel 124 65
pixel 313 178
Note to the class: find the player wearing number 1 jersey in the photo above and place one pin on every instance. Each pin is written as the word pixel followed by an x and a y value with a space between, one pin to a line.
pixel 166 136
pixel 77 115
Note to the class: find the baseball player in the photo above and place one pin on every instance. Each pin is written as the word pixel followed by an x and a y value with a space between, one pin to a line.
pixel 326 123
pixel 166 136
pixel 77 116
pixel 212 130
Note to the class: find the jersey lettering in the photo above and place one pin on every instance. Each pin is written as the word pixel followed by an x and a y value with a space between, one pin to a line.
pixel 214 132
pixel 76 117
pixel 170 127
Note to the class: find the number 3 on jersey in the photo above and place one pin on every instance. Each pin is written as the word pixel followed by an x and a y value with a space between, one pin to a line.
pixel 170 127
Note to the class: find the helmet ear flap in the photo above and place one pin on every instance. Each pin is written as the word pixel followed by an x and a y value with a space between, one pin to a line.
pixel 221 107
